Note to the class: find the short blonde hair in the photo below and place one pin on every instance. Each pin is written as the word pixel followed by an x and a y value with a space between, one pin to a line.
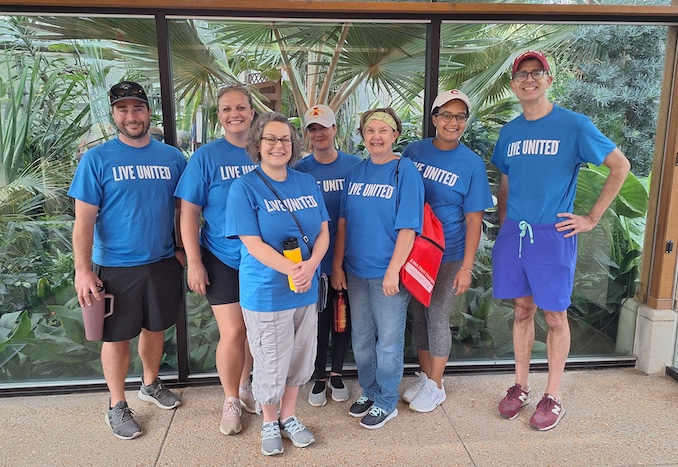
pixel 257 131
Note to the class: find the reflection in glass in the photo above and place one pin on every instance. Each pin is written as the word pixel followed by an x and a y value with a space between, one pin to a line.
pixel 55 74
pixel 613 75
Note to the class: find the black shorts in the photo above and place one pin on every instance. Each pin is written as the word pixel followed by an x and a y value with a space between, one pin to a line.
pixel 224 287
pixel 148 296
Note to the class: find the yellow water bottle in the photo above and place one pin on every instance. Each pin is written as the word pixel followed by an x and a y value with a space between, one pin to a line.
pixel 292 252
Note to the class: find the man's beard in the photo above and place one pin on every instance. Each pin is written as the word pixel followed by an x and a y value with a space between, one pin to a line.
pixel 121 128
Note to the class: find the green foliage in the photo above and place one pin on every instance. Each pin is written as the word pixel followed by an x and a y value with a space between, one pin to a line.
pixel 609 258
pixel 44 102
pixel 203 333
pixel 483 328
pixel 617 83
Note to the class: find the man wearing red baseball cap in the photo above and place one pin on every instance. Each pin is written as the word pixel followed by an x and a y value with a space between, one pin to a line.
pixel 539 154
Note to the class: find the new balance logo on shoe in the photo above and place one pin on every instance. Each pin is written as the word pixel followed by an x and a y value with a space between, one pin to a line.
pixel 515 399
pixel 548 414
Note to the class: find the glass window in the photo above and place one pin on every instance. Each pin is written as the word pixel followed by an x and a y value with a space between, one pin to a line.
pixel 55 72
pixel 290 66
pixel 611 74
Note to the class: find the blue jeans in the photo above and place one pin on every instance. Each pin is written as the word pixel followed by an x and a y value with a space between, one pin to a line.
pixel 378 338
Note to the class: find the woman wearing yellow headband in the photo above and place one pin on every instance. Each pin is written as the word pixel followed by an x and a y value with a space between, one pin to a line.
pixel 381 212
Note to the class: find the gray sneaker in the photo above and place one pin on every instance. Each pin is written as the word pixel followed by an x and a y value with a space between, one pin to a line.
pixel 271 441
pixel 119 418
pixel 159 395
pixel 318 395
pixel 339 389
pixel 295 431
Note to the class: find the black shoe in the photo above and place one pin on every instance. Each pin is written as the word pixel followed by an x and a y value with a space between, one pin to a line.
pixel 360 407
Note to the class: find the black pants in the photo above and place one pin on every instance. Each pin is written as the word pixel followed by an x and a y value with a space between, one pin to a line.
pixel 340 340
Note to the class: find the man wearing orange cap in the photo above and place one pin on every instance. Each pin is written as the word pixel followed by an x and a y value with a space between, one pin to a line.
pixel 539 155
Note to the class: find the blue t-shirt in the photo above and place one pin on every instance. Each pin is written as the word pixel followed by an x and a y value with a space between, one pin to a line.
pixel 376 208
pixel 134 190
pixel 206 182
pixel 253 209
pixel 455 183
pixel 542 160
pixel 330 179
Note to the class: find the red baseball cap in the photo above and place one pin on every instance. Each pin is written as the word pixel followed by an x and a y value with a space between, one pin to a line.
pixel 530 54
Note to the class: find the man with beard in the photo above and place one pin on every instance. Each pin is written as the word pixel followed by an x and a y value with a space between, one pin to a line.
pixel 123 243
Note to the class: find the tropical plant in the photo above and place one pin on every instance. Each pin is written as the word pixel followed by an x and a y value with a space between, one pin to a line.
pixel 617 82
pixel 609 259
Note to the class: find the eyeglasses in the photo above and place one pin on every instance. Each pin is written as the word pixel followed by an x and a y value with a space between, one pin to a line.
pixel 536 75
pixel 447 117
pixel 272 140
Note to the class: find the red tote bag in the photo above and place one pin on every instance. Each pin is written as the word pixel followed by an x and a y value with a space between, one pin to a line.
pixel 420 271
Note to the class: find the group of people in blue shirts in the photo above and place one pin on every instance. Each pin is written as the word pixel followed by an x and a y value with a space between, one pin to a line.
pixel 242 197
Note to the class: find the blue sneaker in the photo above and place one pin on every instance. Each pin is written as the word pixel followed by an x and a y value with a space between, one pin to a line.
pixel 296 432
pixel 271 441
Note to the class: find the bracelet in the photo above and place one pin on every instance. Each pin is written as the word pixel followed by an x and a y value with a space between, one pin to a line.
pixel 179 248
pixel 464 269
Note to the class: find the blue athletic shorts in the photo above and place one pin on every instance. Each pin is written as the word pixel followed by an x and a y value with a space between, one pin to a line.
pixel 534 260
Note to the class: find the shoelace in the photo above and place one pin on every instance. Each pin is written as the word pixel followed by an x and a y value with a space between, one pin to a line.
pixel 377 411
pixel 293 426
pixel 514 392
pixel 231 407
pixel 154 389
pixel 524 228
pixel 546 404
pixel 270 430
pixel 124 414
pixel 361 400
pixel 432 393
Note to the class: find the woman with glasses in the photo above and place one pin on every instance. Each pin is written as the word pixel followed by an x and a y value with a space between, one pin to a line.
pixel 213 260
pixel 266 209
pixel 457 189
pixel 381 212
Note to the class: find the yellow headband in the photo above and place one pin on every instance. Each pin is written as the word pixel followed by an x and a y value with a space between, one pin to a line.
pixel 382 117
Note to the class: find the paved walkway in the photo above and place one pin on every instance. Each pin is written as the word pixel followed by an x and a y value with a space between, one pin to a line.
pixel 613 418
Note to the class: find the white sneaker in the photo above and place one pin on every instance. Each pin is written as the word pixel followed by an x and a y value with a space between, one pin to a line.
pixel 428 398
pixel 413 391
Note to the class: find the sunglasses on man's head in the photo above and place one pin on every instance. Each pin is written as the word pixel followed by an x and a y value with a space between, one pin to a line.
pixel 126 90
